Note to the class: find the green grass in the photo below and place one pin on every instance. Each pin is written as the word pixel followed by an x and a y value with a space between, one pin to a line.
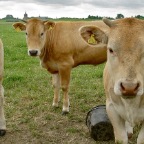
pixel 30 117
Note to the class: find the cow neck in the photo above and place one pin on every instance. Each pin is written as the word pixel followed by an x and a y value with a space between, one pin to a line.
pixel 46 51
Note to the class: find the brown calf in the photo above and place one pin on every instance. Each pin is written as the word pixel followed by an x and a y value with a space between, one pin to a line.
pixel 61 48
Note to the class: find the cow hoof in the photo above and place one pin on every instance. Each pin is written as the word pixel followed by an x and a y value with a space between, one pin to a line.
pixel 65 113
pixel 2 132
pixel 130 135
pixel 55 105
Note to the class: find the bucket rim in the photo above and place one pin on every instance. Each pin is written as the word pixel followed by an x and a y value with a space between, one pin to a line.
pixel 96 107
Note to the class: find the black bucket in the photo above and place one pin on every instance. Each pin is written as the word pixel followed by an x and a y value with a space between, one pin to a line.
pixel 99 125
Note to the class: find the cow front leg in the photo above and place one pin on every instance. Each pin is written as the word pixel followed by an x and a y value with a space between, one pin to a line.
pixel 129 129
pixel 118 124
pixel 64 73
pixel 2 117
pixel 140 139
pixel 56 85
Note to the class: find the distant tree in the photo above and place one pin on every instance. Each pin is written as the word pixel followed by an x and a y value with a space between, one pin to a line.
pixel 9 17
pixel 139 17
pixel 119 16
pixel 91 17
pixel 94 17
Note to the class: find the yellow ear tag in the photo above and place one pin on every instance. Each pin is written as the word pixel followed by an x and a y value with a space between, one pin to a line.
pixel 50 27
pixel 18 29
pixel 92 40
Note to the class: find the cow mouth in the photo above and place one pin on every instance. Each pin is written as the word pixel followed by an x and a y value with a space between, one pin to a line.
pixel 33 55
pixel 128 96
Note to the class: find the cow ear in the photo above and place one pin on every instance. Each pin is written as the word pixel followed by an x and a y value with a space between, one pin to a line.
pixel 19 26
pixel 49 25
pixel 93 35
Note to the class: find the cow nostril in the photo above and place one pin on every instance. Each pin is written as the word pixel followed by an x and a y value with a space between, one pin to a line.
pixel 138 85
pixel 122 87
pixel 129 88
pixel 33 52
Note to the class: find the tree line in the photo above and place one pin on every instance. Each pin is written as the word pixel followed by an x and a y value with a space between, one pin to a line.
pixel 10 18
pixel 119 16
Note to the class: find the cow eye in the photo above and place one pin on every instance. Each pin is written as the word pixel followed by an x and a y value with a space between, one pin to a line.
pixel 42 34
pixel 26 33
pixel 111 51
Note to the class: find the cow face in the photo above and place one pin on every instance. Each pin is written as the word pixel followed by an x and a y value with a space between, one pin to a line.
pixel 125 54
pixel 35 31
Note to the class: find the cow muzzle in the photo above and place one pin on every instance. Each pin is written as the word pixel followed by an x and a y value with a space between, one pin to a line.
pixel 129 89
pixel 33 52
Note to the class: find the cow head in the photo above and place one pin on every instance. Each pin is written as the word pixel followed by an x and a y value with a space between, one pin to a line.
pixel 125 54
pixel 35 31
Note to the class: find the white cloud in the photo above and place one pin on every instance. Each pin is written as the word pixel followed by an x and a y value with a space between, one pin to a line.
pixel 71 8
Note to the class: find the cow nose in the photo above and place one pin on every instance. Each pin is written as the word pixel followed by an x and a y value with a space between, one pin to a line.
pixel 129 88
pixel 33 52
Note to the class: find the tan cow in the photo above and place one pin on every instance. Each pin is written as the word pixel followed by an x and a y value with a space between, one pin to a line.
pixel 61 48
pixel 2 117
pixel 124 75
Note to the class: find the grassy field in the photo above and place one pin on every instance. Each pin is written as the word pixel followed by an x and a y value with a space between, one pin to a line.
pixel 30 117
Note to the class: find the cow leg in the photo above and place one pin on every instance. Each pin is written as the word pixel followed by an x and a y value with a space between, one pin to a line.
pixel 65 80
pixel 2 117
pixel 118 125
pixel 140 139
pixel 56 85
pixel 129 129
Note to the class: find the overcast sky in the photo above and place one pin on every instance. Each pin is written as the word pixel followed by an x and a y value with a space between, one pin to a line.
pixel 71 8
